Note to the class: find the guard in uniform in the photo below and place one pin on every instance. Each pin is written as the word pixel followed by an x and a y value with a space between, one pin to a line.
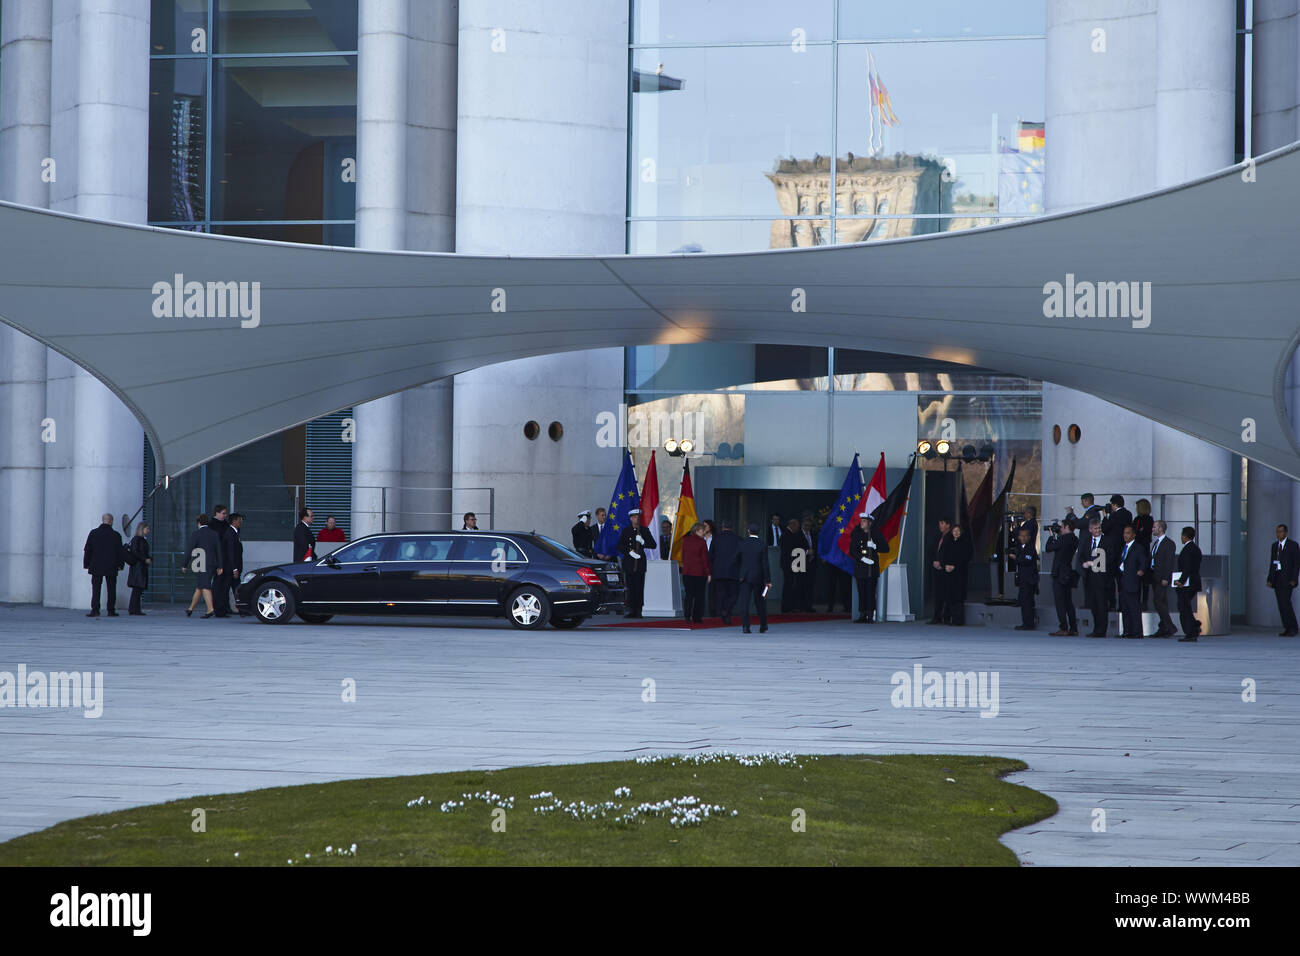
pixel 1026 579
pixel 582 535
pixel 865 547
pixel 632 544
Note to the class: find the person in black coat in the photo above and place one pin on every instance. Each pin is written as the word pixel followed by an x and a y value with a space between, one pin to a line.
pixel 304 542
pixel 222 585
pixel 1090 510
pixel 794 566
pixel 938 559
pixel 1031 523
pixel 724 558
pixel 137 579
pixel 1112 532
pixel 1091 562
pixel 754 579
pixel 1026 558
pixel 632 544
pixel 959 556
pixel 1061 546
pixel 103 558
pixel 1283 568
pixel 581 533
pixel 1189 583
pixel 203 558
pixel 235 554
pixel 1163 562
pixel 1134 565
pixel 865 547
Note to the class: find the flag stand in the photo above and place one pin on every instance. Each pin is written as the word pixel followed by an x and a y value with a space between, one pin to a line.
pixel 897 599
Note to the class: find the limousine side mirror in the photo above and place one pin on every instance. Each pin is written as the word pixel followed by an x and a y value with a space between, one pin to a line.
pixel 332 561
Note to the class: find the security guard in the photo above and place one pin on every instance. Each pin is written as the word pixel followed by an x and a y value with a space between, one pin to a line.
pixel 865 547
pixel 632 544
pixel 582 535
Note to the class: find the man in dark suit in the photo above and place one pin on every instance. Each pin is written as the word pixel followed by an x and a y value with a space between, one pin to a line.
pixel 581 533
pixel 939 559
pixel 1091 563
pixel 1026 579
pixel 866 545
pixel 724 559
pixel 632 544
pixel 1112 532
pixel 1062 545
pixel 665 539
pixel 235 553
pixel 774 531
pixel 597 529
pixel 1189 583
pixel 1090 510
pixel 1283 567
pixel 223 584
pixel 810 556
pixel 794 567
pixel 304 542
pixel 102 559
pixel 1134 565
pixel 1031 523
pixel 754 578
pixel 1163 562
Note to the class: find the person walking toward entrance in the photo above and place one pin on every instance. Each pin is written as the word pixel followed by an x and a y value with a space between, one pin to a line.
pixel 203 558
pixel 304 542
pixel 695 572
pixel 755 578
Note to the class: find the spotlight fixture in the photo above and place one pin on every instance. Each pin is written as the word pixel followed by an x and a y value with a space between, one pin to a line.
pixel 924 448
pixel 670 446
pixel 968 453
pixel 943 447
pixel 687 446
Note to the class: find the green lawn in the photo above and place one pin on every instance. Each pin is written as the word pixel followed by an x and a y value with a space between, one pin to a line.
pixel 859 811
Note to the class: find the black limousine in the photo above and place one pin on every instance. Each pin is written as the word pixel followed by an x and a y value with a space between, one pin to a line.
pixel 527 578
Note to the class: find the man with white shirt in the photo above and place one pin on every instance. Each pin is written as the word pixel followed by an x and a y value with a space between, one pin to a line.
pixel 633 542
pixel 1090 559
pixel 597 530
pixel 1134 565
pixel 1283 568
pixel 1163 561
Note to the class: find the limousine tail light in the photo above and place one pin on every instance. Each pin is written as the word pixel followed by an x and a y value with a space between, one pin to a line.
pixel 589 576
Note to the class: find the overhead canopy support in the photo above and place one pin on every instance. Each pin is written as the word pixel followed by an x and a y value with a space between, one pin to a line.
pixel 1182 305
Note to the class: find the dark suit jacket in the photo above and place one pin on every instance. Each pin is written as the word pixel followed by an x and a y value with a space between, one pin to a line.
pixel 1084 553
pixel 1026 565
pixel 774 532
pixel 1062 548
pixel 1138 559
pixel 303 541
pixel 103 551
pixel 581 539
pixel 234 552
pixel 858 550
pixel 1032 525
pixel 1189 562
pixel 138 576
pixel 1290 564
pixel 724 555
pixel 627 542
pixel 1112 529
pixel 791 541
pixel 940 550
pixel 752 562
pixel 205 539
pixel 1164 560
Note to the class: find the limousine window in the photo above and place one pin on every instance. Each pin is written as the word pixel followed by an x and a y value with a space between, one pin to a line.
pixel 482 548
pixel 423 548
pixel 360 551
pixel 557 550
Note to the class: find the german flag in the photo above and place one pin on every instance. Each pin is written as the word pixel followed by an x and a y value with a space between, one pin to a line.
pixel 1031 137
pixel 889 514
pixel 686 518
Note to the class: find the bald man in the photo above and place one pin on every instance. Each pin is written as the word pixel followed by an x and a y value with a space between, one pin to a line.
pixel 102 559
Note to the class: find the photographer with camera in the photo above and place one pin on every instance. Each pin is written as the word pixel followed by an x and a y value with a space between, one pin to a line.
pixel 1062 545
pixel 1090 511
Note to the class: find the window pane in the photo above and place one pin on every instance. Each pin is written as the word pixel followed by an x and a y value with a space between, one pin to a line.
pixel 719 365
pixel 285 26
pixel 707 21
pixel 872 19
pixel 361 551
pixel 177 134
pixel 709 147
pixel 172 24
pixel 930 145
pixel 285 136
pixel 315 233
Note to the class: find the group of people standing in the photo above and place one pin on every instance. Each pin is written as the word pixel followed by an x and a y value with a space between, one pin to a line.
pixel 105 555
pixel 950 559
pixel 215 555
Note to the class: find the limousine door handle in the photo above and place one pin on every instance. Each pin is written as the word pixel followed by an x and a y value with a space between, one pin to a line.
pixel 371 567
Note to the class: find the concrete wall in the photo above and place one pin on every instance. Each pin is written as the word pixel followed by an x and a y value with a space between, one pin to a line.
pixel 541 169
pixel 1154 108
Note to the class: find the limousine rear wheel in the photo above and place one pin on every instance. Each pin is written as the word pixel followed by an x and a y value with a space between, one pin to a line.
pixel 529 609
pixel 274 603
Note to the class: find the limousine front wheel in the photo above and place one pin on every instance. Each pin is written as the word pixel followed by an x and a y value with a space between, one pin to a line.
pixel 529 608
pixel 274 604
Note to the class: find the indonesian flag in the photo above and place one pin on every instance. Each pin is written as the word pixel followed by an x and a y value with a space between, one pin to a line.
pixel 650 504
pixel 875 495
pixel 686 518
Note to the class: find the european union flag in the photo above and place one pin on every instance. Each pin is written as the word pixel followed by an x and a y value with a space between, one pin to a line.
pixel 624 499
pixel 833 541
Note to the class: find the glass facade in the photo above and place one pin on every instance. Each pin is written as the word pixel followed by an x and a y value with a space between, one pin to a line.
pixel 766 125
pixel 252 133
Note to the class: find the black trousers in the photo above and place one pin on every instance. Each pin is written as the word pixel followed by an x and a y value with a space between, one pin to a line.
pixel 693 602
pixel 1095 587
pixel 134 605
pixel 955 602
pixel 809 579
pixel 1160 601
pixel 791 589
pixel 1284 607
pixel 942 587
pixel 1186 612
pixel 867 597
pixel 724 590
pixel 1025 599
pixel 1131 613
pixel 111 581
pixel 635 598
pixel 752 592
pixel 222 589
pixel 1065 613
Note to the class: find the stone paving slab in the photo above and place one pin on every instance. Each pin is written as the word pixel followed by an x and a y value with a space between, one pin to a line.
pixel 1154 732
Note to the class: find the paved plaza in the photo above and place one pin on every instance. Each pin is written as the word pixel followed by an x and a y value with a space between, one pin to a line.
pixel 1154 733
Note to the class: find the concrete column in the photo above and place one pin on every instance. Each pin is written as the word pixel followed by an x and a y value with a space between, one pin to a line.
pixel 99 138
pixel 1195 88
pixel 406 128
pixel 542 169
pixel 24 146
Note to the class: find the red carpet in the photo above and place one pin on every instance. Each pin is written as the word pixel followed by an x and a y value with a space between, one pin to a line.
pixel 680 624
